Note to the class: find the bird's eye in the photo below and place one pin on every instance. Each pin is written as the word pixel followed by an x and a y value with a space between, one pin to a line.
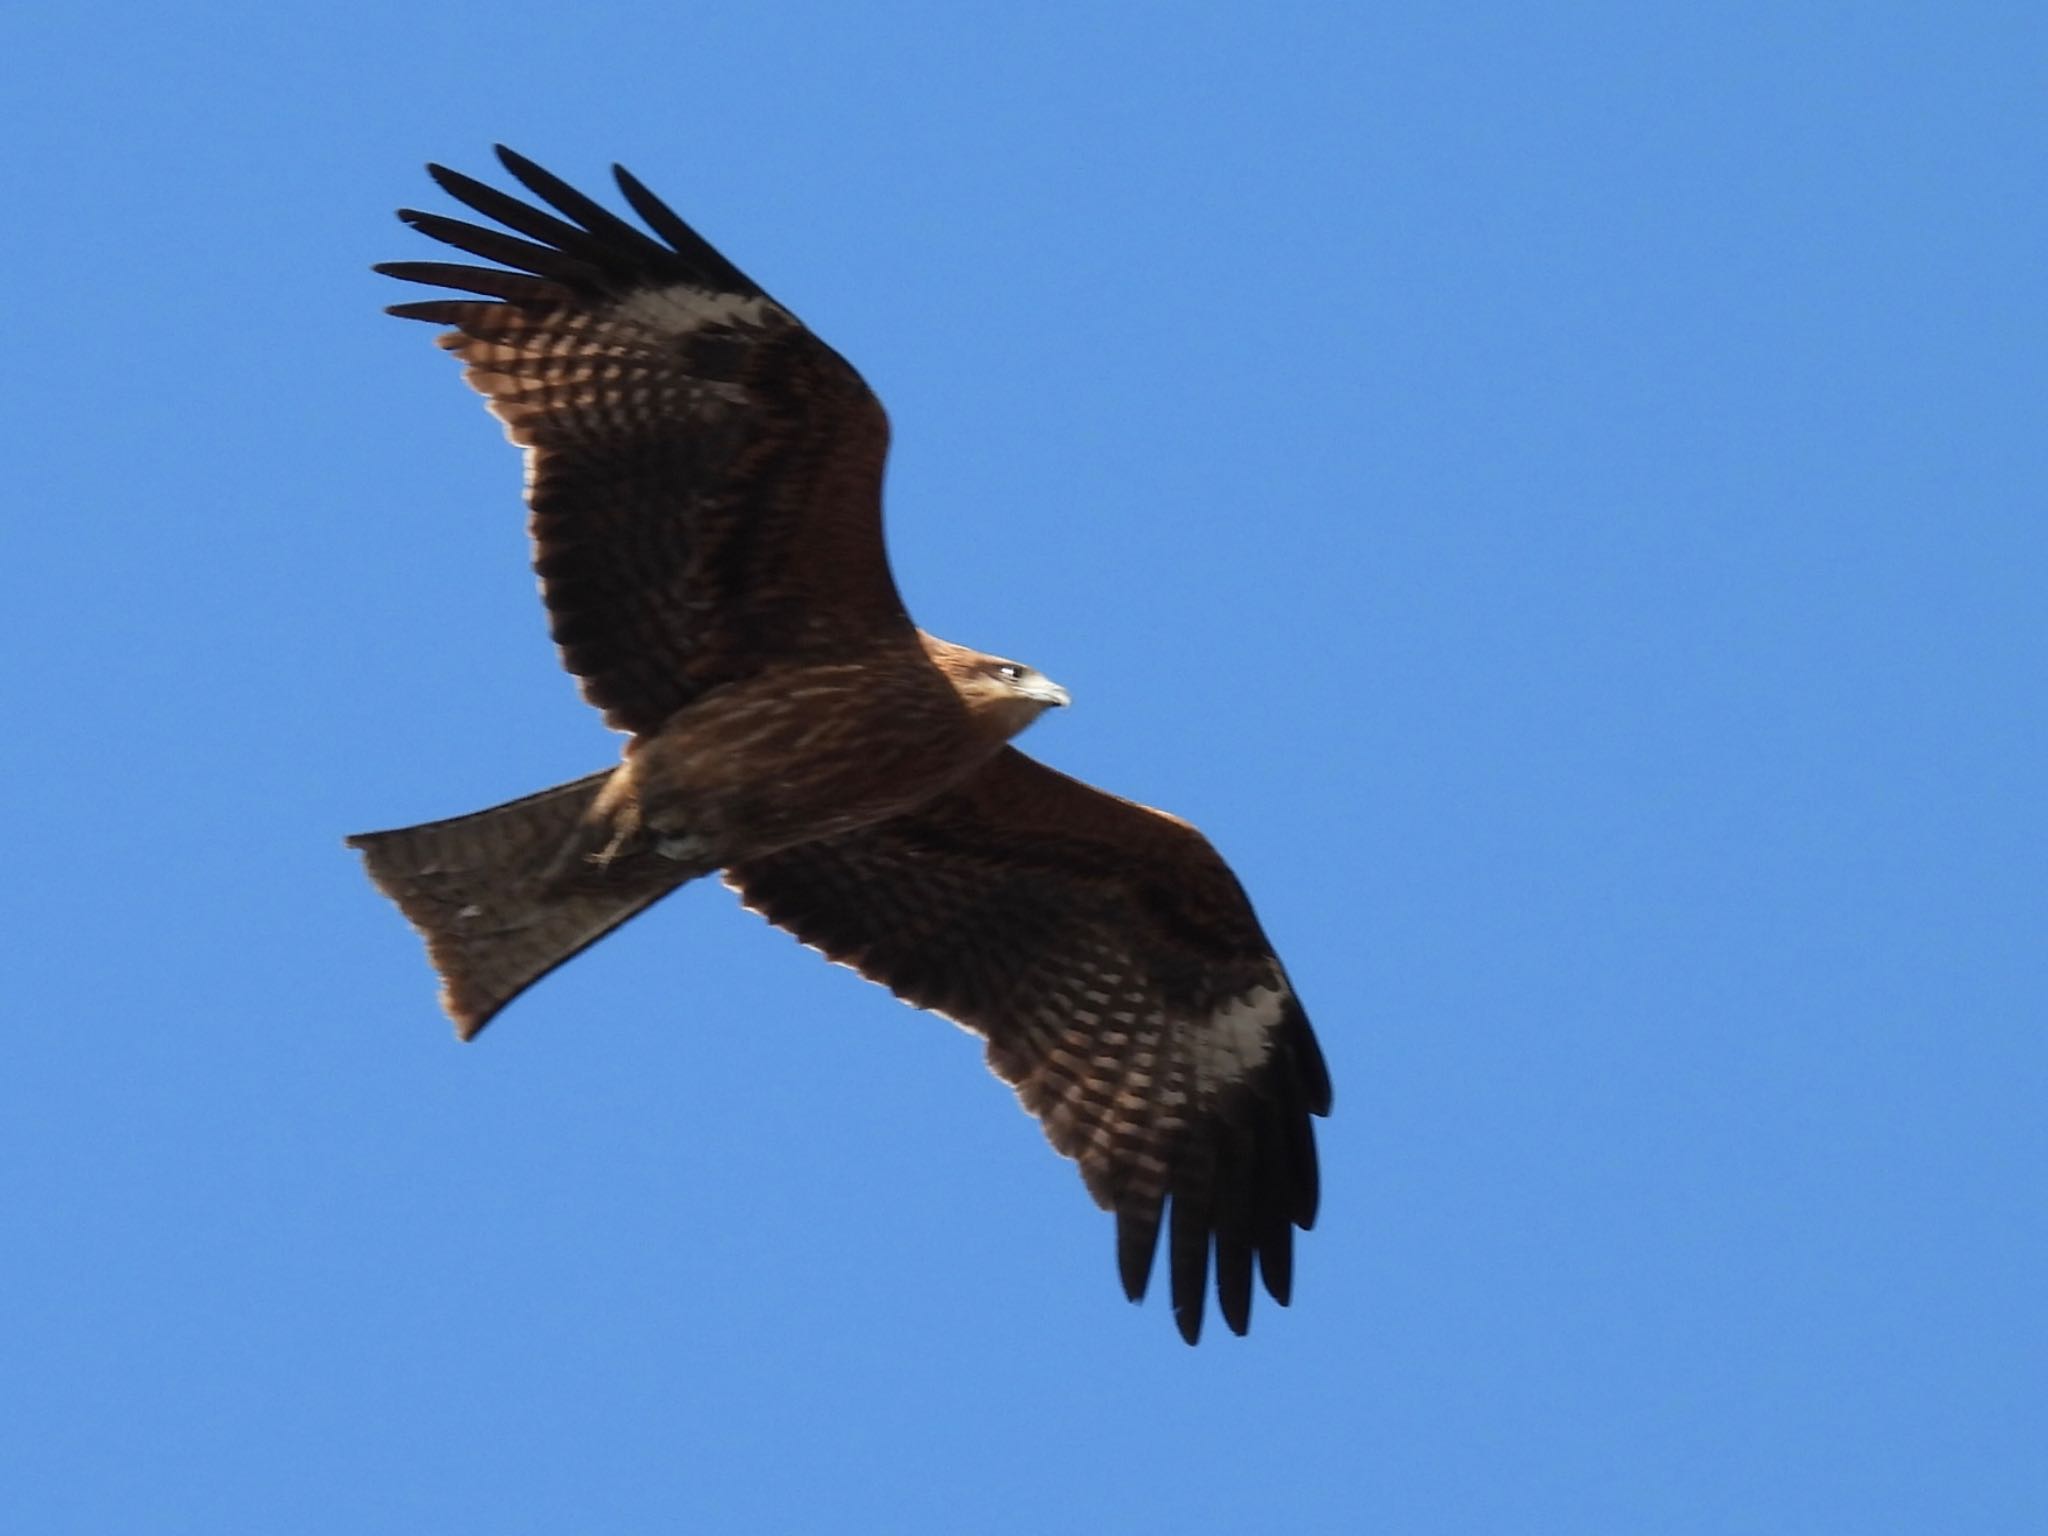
pixel 1010 672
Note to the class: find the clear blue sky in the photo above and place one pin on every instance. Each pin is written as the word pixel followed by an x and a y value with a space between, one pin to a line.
pixel 1556 493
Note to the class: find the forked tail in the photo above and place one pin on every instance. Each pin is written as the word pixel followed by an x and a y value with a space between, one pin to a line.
pixel 485 892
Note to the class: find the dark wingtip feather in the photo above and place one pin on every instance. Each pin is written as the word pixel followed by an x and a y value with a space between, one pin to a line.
pixel 1312 1071
pixel 437 311
pixel 446 178
pixel 1273 1219
pixel 1188 1241
pixel 540 181
pixel 1137 1240
pixel 1303 1085
pixel 1276 1257
pixel 688 244
pixel 1307 1190
pixel 513 287
pixel 1233 1220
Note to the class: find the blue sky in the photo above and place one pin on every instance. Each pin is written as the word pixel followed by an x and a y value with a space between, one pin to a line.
pixel 1556 493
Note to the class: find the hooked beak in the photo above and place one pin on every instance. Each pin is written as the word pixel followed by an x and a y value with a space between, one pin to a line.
pixel 1050 693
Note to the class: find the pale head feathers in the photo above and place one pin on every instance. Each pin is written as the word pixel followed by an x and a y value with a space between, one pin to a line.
pixel 1007 694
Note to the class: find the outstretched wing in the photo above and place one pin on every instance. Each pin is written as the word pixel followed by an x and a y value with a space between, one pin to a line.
pixel 1126 991
pixel 704 474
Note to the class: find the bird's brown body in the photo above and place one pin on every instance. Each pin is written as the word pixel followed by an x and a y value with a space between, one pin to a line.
pixel 704 479
pixel 806 752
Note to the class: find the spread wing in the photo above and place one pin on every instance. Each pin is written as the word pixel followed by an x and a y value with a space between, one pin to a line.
pixel 1126 991
pixel 704 474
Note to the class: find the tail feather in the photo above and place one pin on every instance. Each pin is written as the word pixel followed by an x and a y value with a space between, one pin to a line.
pixel 484 891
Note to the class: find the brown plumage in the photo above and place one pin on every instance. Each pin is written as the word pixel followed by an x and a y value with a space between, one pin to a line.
pixel 704 480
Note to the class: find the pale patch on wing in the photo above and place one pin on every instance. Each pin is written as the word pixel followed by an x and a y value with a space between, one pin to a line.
pixel 683 308
pixel 1237 1038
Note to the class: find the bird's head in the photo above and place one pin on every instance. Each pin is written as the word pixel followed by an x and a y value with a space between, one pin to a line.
pixel 1027 686
pixel 1007 694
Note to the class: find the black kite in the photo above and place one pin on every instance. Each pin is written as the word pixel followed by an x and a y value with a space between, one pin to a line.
pixel 704 477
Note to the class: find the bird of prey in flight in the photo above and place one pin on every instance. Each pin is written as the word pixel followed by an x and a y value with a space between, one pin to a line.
pixel 703 478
